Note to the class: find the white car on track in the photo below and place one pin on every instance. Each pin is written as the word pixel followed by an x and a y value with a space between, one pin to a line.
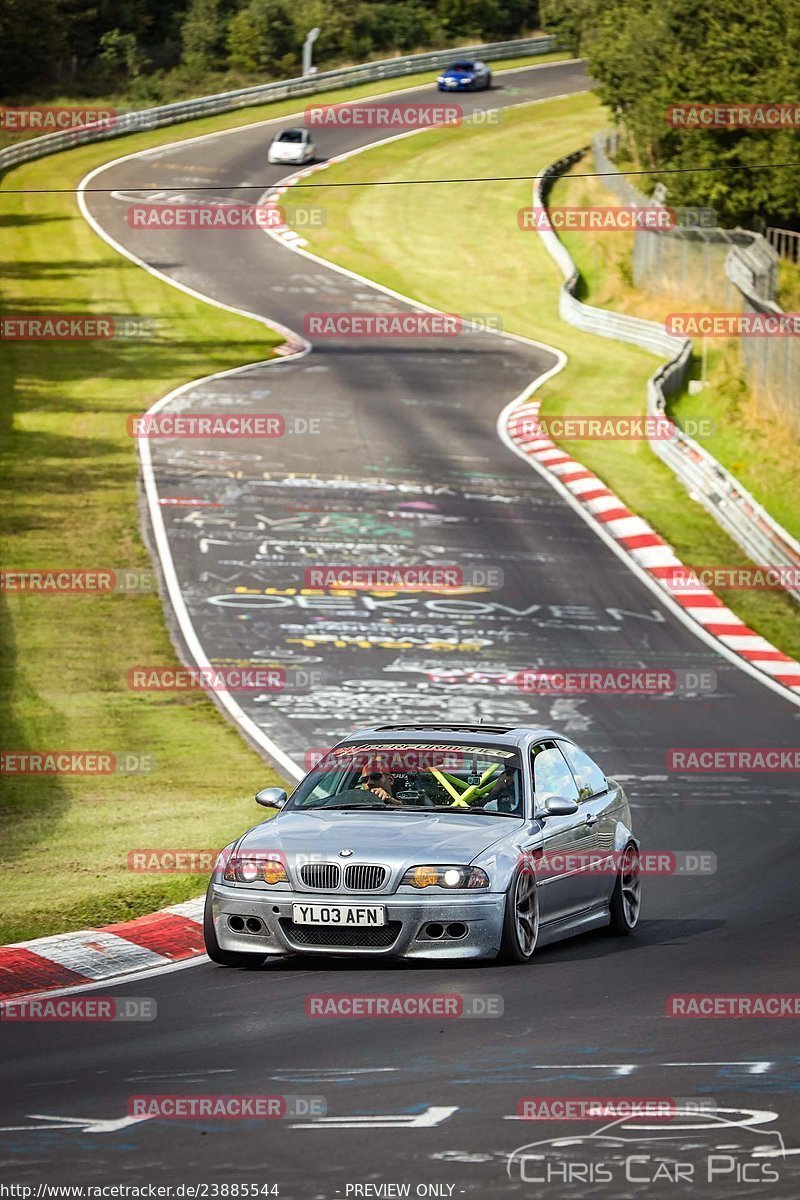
pixel 292 146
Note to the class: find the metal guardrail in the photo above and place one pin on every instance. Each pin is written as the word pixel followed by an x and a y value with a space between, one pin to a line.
pixel 707 481
pixel 722 269
pixel 785 242
pixel 304 85
pixel 749 252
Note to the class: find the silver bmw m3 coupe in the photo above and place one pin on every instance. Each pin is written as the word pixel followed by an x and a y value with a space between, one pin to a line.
pixel 430 841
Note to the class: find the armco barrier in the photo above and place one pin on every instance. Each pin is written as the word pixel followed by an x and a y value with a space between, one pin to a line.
pixel 707 481
pixel 304 85
pixel 728 268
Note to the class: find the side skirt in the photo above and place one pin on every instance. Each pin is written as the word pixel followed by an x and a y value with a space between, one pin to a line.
pixel 566 927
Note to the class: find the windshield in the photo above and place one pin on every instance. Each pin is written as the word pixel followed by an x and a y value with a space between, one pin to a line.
pixel 458 779
pixel 465 66
pixel 291 135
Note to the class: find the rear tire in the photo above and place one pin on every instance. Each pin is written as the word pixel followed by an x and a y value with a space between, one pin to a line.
pixel 488 82
pixel 521 919
pixel 626 899
pixel 224 958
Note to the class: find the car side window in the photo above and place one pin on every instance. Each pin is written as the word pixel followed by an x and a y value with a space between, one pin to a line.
pixel 551 775
pixel 590 779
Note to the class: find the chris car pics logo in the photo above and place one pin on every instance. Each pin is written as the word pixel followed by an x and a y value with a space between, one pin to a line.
pixel 696 1145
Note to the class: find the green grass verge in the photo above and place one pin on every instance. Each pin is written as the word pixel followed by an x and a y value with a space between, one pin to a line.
pixel 69 499
pixel 408 239
pixel 789 285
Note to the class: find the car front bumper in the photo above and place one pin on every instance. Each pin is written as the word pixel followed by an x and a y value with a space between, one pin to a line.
pixel 294 160
pixel 405 934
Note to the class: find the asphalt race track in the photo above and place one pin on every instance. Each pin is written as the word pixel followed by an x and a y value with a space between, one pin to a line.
pixel 406 468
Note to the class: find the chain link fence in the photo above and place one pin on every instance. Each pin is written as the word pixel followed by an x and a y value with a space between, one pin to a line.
pixel 785 242
pixel 724 269
pixel 707 481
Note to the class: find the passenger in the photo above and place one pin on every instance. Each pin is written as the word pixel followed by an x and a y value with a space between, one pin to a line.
pixel 504 792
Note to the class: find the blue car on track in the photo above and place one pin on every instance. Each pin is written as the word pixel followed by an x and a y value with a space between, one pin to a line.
pixel 468 76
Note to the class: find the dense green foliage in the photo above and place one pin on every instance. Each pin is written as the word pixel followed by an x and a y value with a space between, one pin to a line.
pixel 650 54
pixel 149 48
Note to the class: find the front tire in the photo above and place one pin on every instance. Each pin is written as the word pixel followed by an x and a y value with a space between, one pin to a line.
pixel 521 919
pixel 224 958
pixel 626 899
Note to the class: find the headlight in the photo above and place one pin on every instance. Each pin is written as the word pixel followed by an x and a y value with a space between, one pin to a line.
pixel 253 868
pixel 446 877
pixel 274 872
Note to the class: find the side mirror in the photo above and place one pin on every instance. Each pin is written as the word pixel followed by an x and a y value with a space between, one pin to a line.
pixel 560 806
pixel 271 797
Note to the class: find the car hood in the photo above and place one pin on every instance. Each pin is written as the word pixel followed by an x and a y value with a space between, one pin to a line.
pixel 458 74
pixel 392 838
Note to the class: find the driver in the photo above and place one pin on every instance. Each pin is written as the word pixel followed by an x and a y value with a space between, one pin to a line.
pixel 380 783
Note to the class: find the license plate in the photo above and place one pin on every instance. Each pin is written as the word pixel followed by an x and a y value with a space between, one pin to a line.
pixel 339 914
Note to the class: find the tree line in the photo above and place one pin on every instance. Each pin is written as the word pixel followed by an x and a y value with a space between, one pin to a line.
pixel 649 55
pixel 151 50
pixel 645 55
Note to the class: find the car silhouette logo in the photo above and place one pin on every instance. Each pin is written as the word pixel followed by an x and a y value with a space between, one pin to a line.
pixel 620 1135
